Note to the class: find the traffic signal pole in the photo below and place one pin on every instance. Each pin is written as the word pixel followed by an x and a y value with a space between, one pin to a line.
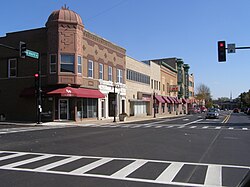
pixel 39 92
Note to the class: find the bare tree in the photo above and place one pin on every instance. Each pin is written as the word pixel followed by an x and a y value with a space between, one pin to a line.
pixel 203 93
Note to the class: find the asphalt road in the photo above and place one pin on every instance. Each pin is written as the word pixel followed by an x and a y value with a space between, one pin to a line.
pixel 183 151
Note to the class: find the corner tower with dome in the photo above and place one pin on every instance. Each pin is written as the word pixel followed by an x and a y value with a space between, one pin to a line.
pixel 83 74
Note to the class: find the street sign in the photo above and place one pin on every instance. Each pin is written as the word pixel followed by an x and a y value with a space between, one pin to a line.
pixel 230 48
pixel 32 54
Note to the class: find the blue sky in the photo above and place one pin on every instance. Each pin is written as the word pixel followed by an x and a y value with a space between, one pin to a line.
pixel 149 29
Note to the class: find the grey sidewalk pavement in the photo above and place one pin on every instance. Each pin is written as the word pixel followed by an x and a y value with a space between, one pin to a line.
pixel 91 121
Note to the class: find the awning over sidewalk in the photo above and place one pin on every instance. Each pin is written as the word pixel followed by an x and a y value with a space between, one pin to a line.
pixel 184 101
pixel 159 99
pixel 77 92
pixel 171 99
pixel 167 100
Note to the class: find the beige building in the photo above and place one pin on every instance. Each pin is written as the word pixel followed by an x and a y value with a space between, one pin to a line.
pixel 138 80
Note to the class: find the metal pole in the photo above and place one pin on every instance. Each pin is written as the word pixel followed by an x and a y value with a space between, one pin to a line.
pixel 39 99
pixel 154 105
pixel 114 106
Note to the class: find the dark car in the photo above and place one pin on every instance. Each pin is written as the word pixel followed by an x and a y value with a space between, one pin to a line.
pixel 248 111
pixel 236 110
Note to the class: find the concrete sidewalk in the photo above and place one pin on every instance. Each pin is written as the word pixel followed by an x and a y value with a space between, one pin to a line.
pixel 91 121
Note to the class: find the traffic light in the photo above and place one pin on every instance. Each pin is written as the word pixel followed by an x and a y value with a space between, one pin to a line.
pixel 22 49
pixel 36 81
pixel 221 51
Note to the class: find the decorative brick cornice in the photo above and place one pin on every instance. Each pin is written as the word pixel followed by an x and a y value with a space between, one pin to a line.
pixel 103 41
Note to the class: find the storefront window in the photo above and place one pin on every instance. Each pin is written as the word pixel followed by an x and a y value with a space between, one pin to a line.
pixel 87 108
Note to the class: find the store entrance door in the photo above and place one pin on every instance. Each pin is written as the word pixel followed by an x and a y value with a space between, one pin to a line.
pixel 63 109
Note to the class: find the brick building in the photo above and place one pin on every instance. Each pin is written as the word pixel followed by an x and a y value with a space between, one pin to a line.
pixel 83 75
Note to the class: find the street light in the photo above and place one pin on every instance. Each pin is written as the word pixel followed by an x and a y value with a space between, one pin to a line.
pixel 114 105
pixel 154 104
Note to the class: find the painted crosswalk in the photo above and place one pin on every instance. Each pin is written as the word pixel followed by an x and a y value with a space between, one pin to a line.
pixel 166 126
pixel 126 169
pixel 31 128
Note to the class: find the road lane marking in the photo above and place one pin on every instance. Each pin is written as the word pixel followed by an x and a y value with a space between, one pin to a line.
pixel 164 121
pixel 170 172
pixel 124 172
pixel 213 176
pixel 91 166
pixel 27 161
pixel 58 163
pixel 205 127
pixel 193 127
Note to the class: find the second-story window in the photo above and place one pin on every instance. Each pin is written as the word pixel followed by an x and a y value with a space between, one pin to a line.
pixel 12 67
pixel 67 63
pixel 79 64
pixel 110 73
pixel 90 68
pixel 119 76
pixel 100 71
pixel 52 63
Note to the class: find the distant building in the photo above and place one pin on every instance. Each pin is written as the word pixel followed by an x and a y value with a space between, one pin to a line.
pixel 83 75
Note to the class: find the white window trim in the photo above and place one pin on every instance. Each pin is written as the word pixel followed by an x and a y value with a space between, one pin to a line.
pixel 9 60
pixel 92 69
pixel 119 76
pixel 52 64
pixel 110 73
pixel 79 65
pixel 101 71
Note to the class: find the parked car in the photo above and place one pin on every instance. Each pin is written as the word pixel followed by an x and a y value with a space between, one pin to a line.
pixel 236 110
pixel 212 113
pixel 248 111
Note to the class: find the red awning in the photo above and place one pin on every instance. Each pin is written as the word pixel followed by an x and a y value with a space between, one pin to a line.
pixel 184 101
pixel 159 98
pixel 171 99
pixel 167 100
pixel 77 92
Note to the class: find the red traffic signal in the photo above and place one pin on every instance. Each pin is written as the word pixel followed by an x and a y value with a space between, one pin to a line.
pixel 221 51
pixel 36 75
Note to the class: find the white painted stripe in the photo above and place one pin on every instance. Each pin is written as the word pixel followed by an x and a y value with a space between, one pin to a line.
pixel 192 122
pixel 217 127
pixel 164 121
pixel 12 156
pixel 170 172
pixel 205 127
pixel 158 126
pixel 230 128
pixel 169 126
pixel 244 128
pixel 58 163
pixel 27 161
pixel 213 176
pixel 124 172
pixel 180 127
pixel 193 127
pixel 129 159
pixel 91 166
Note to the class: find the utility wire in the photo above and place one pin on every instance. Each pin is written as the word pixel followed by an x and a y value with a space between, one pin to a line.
pixel 106 10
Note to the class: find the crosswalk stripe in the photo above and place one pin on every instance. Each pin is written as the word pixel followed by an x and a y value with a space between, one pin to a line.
pixel 91 166
pixel 27 161
pixel 213 176
pixel 205 127
pixel 230 128
pixel 193 127
pixel 12 156
pixel 58 163
pixel 244 128
pixel 170 172
pixel 217 127
pixel 124 172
